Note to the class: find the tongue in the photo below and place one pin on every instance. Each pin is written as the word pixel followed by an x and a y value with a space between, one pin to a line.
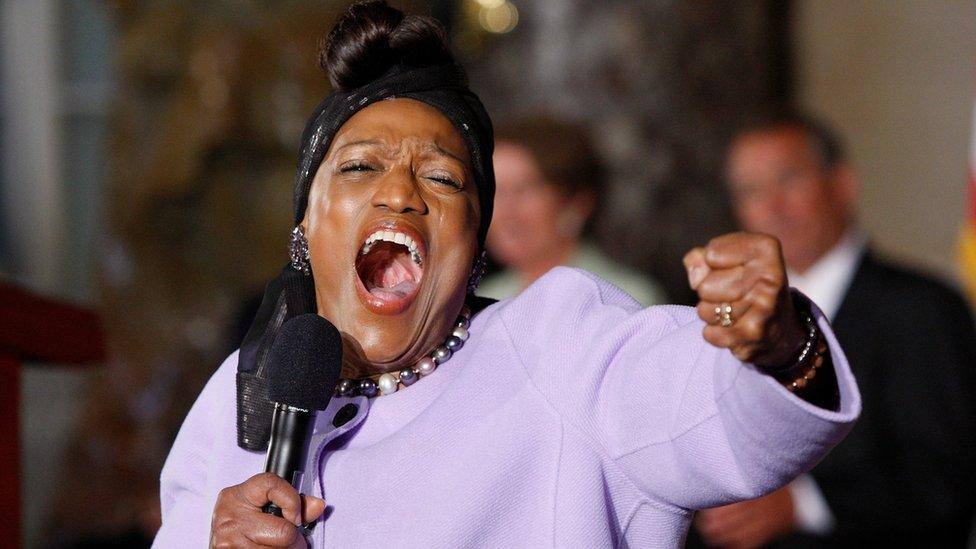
pixel 399 291
pixel 392 273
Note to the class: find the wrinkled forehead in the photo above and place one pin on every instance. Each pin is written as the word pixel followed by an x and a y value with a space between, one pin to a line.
pixel 392 124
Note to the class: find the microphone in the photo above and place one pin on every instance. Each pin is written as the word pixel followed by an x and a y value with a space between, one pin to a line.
pixel 303 369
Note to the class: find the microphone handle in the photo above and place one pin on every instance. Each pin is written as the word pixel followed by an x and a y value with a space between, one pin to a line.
pixel 291 429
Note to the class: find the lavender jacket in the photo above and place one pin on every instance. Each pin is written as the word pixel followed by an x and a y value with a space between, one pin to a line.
pixel 571 418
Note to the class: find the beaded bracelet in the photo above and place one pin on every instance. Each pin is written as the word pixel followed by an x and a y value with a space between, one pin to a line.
pixel 811 372
pixel 809 357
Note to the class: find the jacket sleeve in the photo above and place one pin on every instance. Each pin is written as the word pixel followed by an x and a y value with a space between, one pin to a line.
pixel 187 506
pixel 690 425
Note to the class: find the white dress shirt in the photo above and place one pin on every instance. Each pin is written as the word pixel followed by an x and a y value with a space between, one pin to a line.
pixel 825 283
pixel 827 280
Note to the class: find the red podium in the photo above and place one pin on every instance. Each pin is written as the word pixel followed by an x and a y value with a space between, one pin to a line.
pixel 33 329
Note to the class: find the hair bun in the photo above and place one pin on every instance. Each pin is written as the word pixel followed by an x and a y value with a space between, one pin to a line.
pixel 371 37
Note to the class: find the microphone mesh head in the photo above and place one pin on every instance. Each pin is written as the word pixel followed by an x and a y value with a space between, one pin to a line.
pixel 304 362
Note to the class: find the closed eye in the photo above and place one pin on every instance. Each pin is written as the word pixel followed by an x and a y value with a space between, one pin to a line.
pixel 446 181
pixel 357 167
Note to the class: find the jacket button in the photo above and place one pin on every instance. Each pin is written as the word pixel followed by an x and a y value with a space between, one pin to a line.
pixel 344 415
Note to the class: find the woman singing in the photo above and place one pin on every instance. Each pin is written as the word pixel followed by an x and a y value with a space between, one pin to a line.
pixel 567 416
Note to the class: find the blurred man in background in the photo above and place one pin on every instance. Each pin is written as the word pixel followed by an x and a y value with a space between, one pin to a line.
pixel 905 475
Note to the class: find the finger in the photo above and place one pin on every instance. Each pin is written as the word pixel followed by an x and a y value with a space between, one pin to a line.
pixel 729 284
pixel 270 531
pixel 696 266
pixel 720 337
pixel 743 338
pixel 734 249
pixel 760 297
pixel 711 312
pixel 751 316
pixel 746 332
pixel 312 508
pixel 267 487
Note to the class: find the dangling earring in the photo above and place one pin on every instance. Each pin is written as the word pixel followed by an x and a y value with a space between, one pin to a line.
pixel 477 271
pixel 298 251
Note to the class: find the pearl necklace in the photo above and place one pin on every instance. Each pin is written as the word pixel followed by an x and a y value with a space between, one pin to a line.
pixel 390 382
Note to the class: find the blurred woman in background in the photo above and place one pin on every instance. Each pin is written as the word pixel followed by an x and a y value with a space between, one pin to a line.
pixel 549 183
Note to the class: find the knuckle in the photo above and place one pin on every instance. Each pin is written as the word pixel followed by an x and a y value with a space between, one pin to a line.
pixel 721 337
pixel 752 329
pixel 223 495
pixel 705 310
pixel 284 533
pixel 221 536
pixel 761 242
pixel 223 520
pixel 754 324
pixel 772 278
pixel 740 286
pixel 220 518
pixel 705 287
pixel 267 481
pixel 768 242
pixel 763 305
pixel 223 542
pixel 265 477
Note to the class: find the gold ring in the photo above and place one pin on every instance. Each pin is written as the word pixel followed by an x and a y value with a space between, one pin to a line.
pixel 723 315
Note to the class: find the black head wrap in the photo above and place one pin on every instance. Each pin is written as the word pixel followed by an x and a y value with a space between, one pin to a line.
pixel 443 87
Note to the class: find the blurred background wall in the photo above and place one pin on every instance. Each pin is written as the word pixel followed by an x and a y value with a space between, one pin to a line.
pixel 899 80
pixel 148 149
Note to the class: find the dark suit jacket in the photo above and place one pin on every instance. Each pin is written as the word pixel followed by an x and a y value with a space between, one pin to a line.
pixel 906 474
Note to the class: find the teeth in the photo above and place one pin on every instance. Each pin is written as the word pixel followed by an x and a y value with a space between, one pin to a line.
pixel 396 238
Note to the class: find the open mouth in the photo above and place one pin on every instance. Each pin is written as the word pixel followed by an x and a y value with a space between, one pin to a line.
pixel 390 267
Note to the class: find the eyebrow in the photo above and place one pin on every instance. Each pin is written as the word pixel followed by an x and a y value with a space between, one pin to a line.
pixel 438 149
pixel 359 142
pixel 433 147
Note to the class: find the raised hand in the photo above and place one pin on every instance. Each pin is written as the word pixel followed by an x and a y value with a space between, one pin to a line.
pixel 745 300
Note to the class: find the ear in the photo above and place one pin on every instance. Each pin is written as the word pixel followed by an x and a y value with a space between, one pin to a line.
pixel 582 203
pixel 575 213
pixel 845 187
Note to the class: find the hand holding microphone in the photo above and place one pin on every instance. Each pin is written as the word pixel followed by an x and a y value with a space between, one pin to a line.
pixel 238 519
pixel 266 509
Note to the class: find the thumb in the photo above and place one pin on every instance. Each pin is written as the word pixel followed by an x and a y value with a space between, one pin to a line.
pixel 696 266
pixel 312 508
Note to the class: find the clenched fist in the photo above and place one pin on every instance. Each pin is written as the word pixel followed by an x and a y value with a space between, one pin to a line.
pixel 745 300
pixel 238 520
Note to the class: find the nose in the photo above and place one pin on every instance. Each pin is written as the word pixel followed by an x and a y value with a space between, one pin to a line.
pixel 399 192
